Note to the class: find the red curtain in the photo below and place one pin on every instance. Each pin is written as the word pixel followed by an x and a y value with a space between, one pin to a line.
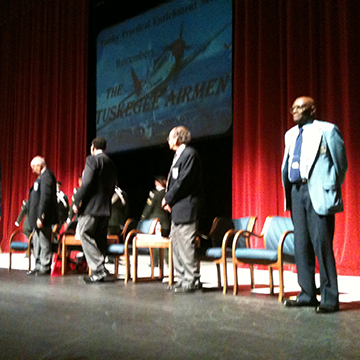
pixel 284 49
pixel 43 76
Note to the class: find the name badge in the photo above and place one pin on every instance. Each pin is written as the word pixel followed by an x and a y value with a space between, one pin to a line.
pixel 175 172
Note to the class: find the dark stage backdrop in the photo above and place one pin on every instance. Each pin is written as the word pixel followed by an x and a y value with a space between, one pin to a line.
pixel 282 49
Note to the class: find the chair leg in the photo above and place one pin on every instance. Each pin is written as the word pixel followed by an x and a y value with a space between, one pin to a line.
pixel 218 275
pixel 152 262
pixel 161 263
pixel 135 259
pixel 116 265
pixel 281 280
pixel 252 279
pixel 235 291
pixel 29 257
pixel 225 286
pixel 271 279
pixel 127 265
pixel 10 260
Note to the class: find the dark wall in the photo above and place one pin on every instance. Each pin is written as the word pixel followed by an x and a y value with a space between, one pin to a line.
pixel 137 168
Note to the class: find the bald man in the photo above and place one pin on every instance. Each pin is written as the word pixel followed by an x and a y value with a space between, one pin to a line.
pixel 313 171
pixel 42 207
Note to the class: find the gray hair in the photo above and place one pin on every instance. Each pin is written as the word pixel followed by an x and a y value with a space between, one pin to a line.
pixel 182 134
pixel 38 160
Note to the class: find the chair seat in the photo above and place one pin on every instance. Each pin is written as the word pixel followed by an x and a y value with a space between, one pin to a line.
pixel 257 254
pixel 19 245
pixel 116 249
pixel 216 252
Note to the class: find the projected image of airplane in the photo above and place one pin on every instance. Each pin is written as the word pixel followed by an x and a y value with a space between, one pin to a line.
pixel 165 68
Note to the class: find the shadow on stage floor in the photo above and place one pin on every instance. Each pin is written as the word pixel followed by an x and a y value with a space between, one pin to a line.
pixel 64 318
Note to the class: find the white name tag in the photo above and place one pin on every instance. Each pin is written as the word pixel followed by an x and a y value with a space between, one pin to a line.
pixel 36 186
pixel 295 165
pixel 175 172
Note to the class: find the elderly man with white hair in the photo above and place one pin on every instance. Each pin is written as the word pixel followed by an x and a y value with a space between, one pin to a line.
pixel 42 215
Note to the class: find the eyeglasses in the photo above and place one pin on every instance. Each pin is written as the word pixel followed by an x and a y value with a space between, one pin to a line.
pixel 300 108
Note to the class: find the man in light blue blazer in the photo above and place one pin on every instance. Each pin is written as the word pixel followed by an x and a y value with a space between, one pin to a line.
pixel 313 171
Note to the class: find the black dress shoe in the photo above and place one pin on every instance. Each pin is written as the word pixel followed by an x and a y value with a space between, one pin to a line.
pixel 31 273
pixel 96 277
pixel 298 303
pixel 43 273
pixel 326 309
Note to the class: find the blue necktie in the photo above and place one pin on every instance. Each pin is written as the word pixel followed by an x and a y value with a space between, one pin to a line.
pixel 295 165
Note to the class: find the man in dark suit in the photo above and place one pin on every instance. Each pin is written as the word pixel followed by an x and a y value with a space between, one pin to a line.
pixel 42 215
pixel 93 204
pixel 313 171
pixel 183 199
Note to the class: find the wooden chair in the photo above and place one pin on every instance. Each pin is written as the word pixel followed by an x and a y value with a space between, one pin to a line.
pixel 123 250
pixel 221 236
pixel 20 243
pixel 66 240
pixel 278 238
pixel 152 241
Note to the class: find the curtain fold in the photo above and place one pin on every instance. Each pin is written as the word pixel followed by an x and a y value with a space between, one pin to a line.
pixel 43 74
pixel 285 49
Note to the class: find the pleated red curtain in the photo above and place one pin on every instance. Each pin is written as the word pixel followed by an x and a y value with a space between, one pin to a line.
pixel 284 49
pixel 43 77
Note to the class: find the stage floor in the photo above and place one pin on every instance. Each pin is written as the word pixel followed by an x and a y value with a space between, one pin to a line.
pixel 64 318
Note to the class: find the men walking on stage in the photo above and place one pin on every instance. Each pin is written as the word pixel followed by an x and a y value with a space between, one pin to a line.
pixel 93 204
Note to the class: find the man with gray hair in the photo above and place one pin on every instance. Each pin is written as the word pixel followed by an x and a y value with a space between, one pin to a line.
pixel 183 199
pixel 42 215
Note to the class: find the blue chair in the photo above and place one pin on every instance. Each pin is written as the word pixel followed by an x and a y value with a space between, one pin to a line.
pixel 20 243
pixel 278 237
pixel 118 249
pixel 221 236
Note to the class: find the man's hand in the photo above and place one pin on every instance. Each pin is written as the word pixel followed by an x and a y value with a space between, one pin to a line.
pixel 75 209
pixel 165 205
pixel 39 223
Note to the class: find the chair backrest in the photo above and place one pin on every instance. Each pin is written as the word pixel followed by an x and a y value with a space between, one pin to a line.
pixel 129 225
pixel 219 228
pixel 245 223
pixel 275 227
pixel 147 226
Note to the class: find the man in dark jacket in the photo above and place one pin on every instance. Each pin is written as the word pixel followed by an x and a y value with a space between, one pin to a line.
pixel 42 215
pixel 93 204
pixel 153 209
pixel 183 199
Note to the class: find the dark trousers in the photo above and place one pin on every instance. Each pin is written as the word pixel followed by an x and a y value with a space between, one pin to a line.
pixel 313 237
